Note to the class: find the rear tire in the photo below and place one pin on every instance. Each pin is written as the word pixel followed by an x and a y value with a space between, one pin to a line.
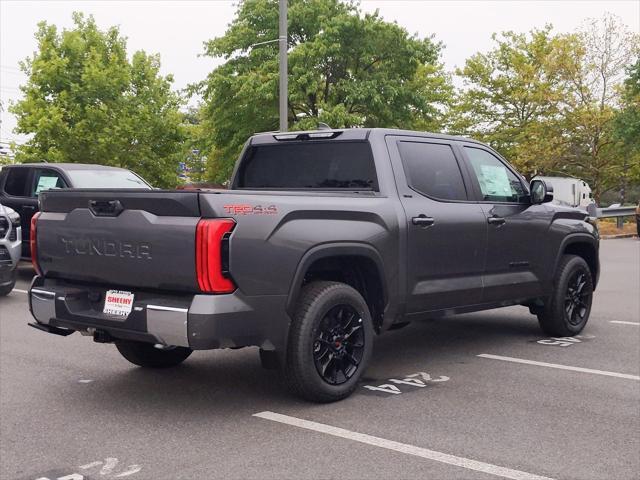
pixel 146 355
pixel 6 289
pixel 330 342
pixel 567 311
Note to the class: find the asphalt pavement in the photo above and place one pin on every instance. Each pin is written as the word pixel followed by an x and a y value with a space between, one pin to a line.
pixel 475 396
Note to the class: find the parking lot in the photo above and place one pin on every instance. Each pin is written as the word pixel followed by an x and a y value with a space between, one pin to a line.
pixel 476 396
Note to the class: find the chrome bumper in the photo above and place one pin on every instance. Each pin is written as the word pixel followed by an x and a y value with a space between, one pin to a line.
pixel 167 324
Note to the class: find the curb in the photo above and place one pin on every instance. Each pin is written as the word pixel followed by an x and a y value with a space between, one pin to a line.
pixel 622 235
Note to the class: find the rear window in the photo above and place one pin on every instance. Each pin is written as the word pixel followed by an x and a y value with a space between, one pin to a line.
pixel 319 165
pixel 105 179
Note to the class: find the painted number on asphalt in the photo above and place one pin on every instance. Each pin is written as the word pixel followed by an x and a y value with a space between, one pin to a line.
pixel 564 341
pixel 416 380
pixel 108 469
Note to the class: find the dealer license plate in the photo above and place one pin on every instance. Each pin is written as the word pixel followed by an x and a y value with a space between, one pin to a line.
pixel 118 302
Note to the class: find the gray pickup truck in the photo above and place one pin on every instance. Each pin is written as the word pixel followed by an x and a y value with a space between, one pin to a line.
pixel 325 239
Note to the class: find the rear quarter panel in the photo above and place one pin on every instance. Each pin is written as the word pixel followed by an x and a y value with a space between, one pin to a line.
pixel 274 231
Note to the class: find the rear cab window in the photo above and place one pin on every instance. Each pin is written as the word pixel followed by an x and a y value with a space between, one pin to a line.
pixel 304 165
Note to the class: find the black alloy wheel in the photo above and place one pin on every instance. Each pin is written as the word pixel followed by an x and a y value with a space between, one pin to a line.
pixel 577 298
pixel 338 347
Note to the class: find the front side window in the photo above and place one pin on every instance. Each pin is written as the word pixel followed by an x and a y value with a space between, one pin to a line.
pixel 46 180
pixel 432 169
pixel 16 183
pixel 497 182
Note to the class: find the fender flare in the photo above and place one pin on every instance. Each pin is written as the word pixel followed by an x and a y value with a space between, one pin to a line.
pixel 338 249
pixel 579 238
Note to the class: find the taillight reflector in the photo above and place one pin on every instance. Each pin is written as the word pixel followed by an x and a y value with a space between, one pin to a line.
pixel 209 262
pixel 33 243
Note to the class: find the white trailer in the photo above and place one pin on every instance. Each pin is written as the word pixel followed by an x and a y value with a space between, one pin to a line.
pixel 569 191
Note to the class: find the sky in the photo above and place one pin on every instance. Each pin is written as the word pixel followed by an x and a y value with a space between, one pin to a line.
pixel 177 29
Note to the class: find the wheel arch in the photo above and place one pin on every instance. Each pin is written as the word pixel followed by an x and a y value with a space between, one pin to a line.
pixel 356 264
pixel 584 246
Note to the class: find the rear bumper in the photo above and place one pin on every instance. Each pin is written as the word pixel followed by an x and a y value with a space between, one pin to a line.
pixel 195 321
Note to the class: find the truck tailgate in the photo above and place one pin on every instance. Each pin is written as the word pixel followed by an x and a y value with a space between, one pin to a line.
pixel 130 239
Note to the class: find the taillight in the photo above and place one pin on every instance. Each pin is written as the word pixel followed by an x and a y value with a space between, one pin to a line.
pixel 212 251
pixel 33 243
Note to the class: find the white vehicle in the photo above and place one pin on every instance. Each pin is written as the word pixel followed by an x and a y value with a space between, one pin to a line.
pixel 10 248
pixel 569 191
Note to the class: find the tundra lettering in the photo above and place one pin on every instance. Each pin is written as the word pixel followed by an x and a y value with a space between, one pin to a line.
pixel 107 248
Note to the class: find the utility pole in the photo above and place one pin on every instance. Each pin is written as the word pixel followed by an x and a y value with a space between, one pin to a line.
pixel 284 87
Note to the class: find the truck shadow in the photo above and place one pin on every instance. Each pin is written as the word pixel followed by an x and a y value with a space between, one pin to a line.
pixel 226 382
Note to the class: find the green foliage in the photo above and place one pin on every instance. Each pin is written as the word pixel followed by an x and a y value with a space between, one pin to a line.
pixel 345 69
pixel 513 99
pixel 627 121
pixel 86 102
pixel 547 101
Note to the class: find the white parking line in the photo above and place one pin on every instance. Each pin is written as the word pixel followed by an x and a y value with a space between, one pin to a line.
pixel 19 291
pixel 625 323
pixel 401 447
pixel 561 367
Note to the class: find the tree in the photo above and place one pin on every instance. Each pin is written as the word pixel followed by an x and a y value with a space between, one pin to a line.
pixel 345 69
pixel 593 79
pixel 84 101
pixel 627 124
pixel 547 101
pixel 512 98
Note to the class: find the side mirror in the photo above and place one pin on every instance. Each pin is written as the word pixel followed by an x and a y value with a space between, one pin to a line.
pixel 541 192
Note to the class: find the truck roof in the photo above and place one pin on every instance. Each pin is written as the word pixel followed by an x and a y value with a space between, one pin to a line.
pixel 353 134
pixel 66 166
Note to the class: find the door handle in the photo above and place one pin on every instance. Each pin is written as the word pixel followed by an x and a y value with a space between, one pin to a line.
pixel 495 220
pixel 423 220
pixel 28 207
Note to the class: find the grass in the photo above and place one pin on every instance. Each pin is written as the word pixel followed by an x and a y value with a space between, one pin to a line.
pixel 608 226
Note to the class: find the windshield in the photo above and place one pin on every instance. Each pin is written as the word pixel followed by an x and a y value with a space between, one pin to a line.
pixel 317 165
pixel 105 179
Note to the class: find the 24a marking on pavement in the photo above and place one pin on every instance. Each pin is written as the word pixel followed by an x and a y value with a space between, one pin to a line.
pixel 415 380
pixel 108 469
pixel 565 341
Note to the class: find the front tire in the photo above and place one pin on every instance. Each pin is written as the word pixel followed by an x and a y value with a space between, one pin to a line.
pixel 330 342
pixel 567 311
pixel 146 355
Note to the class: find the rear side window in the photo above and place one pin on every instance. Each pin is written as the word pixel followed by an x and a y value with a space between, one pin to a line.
pixel 16 183
pixel 319 165
pixel 432 169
